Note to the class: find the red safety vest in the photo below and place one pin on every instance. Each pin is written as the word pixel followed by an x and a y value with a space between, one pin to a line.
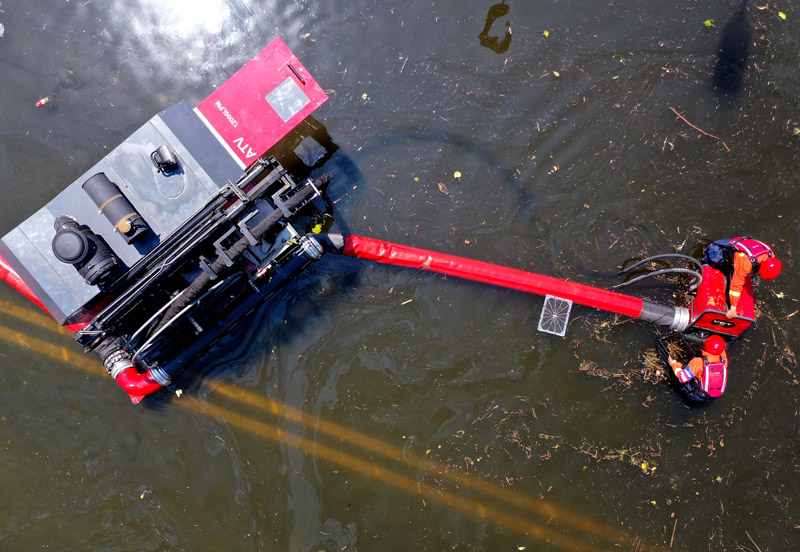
pixel 715 376
pixel 753 249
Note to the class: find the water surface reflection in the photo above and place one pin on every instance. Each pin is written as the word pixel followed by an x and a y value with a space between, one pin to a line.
pixel 568 174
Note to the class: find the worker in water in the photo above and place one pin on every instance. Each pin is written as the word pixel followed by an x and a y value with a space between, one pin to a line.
pixel 739 259
pixel 705 376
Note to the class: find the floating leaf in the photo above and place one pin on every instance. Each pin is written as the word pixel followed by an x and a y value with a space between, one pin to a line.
pixel 364 96
pixel 782 15
pixel 780 295
pixel 719 479
pixel 546 34
pixel 416 179
pixel 178 392
pixel 708 22
pixel 443 188
pixel 556 74
pixel 457 174
pixel 796 131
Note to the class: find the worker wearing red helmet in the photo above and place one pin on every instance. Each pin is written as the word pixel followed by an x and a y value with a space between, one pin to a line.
pixel 739 259
pixel 706 375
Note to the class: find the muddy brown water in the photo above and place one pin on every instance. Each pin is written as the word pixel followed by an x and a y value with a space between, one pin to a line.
pixel 374 408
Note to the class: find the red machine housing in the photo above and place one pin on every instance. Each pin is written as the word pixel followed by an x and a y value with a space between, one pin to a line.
pixel 710 305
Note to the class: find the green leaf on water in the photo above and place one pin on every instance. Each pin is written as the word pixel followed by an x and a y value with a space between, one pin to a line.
pixel 708 22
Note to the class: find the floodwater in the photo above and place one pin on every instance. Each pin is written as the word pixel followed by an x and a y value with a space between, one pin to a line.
pixel 375 408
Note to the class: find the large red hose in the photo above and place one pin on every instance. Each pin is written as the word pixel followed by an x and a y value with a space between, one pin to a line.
pixel 422 259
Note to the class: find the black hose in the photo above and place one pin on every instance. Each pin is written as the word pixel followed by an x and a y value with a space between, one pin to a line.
pixel 662 256
pixel 698 277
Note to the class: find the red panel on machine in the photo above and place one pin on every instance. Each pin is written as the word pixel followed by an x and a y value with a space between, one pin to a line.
pixel 261 103
pixel 710 305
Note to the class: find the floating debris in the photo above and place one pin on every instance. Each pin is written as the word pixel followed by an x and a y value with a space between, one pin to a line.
pixel 43 101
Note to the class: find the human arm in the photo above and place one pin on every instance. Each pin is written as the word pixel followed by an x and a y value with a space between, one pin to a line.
pixel 741 271
pixel 688 372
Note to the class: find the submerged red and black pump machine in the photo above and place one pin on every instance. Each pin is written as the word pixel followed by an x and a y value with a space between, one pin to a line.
pixel 170 240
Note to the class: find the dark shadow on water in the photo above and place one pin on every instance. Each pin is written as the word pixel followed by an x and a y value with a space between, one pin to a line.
pixel 494 43
pixel 284 316
pixel 732 56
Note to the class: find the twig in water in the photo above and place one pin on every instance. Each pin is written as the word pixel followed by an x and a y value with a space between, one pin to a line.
pixel 700 130
pixel 672 538
pixel 751 540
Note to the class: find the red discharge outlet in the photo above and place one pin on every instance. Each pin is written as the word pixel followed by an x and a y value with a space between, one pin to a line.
pixel 422 259
pixel 137 385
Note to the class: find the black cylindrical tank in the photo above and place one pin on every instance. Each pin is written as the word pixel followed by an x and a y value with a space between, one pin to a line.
pixel 116 207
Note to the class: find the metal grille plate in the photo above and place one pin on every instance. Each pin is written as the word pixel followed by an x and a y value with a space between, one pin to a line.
pixel 555 315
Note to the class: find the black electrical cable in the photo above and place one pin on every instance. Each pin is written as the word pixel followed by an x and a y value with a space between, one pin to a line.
pixel 637 264
pixel 698 277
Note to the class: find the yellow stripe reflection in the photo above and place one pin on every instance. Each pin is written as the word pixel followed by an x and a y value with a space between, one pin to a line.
pixel 55 352
pixel 400 481
pixel 437 468
pixel 35 317
pixel 244 397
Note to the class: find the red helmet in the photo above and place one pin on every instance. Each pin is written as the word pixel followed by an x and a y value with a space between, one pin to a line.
pixel 715 345
pixel 769 268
